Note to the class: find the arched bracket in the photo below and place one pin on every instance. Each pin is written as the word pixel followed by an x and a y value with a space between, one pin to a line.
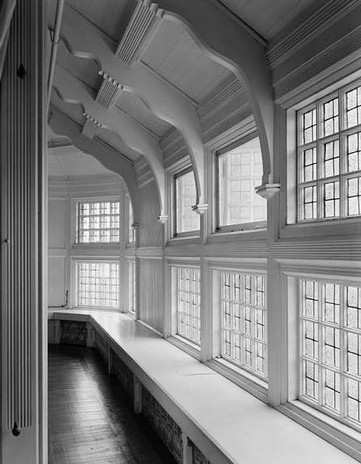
pixel 267 191
pixel 162 218
pixel 200 209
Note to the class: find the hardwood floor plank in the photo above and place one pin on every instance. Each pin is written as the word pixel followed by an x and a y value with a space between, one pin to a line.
pixel 90 416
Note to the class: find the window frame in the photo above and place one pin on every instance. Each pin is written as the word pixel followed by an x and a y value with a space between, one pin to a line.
pixel 321 140
pixel 74 281
pixel 175 234
pixel 307 414
pixel 74 221
pixel 221 151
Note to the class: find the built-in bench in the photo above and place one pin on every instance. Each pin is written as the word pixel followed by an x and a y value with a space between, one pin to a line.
pixel 200 415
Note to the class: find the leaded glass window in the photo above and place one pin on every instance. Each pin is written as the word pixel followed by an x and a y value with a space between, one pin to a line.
pixel 330 348
pixel 132 288
pixel 239 171
pixel 97 222
pixel 97 284
pixel 329 156
pixel 244 321
pixel 186 220
pixel 188 303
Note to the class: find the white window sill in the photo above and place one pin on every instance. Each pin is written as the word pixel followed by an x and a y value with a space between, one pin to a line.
pixel 329 429
pixel 240 377
pixel 238 235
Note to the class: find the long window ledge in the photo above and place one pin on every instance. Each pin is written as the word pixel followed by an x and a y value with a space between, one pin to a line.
pixel 190 348
pixel 240 377
pixel 344 437
pixel 333 227
pixel 182 239
pixel 222 419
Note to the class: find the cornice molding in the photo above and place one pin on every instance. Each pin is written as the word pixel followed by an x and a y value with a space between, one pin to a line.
pixel 313 27
pixel 109 91
pixel 220 98
pixel 343 47
pixel 90 126
pixel 144 21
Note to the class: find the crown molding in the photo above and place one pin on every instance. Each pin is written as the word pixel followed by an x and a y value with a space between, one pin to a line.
pixel 309 30
pixel 333 54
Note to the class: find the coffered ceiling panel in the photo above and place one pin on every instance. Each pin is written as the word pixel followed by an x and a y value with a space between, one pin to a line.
pixel 175 56
pixel 132 105
pixel 110 16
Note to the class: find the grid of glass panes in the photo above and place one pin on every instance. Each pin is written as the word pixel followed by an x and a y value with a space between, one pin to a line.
pixel 98 222
pixel 185 197
pixel 244 321
pixel 330 348
pixel 239 172
pixel 131 269
pixel 329 156
pixel 188 303
pixel 97 284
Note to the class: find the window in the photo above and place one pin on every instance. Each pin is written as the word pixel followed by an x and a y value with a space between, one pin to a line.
pixel 97 222
pixel 185 219
pixel 97 284
pixel 131 228
pixel 329 156
pixel 132 294
pixel 238 171
pixel 330 348
pixel 244 321
pixel 188 303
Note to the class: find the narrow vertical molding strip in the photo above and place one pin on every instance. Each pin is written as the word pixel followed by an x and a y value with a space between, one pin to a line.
pixel 144 21
pixel 22 136
pixel 90 126
pixel 108 92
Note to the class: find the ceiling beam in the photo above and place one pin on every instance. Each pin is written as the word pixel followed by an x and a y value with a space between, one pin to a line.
pixel 132 135
pixel 84 40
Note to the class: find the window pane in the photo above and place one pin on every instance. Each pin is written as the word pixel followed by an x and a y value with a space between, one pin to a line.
pixel 239 172
pixel 97 284
pixel 328 159
pixel 188 304
pixel 132 296
pixel 244 321
pixel 98 222
pixel 187 219
pixel 330 358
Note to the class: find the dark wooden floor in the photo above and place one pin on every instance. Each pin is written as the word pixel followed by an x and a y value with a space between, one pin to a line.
pixel 90 417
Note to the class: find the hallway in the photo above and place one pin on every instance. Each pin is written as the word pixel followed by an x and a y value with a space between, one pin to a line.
pixel 90 417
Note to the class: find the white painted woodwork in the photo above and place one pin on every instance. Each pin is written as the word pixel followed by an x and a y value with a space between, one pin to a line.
pixel 163 100
pixel 23 167
pixel 136 108
pixel 177 58
pixel 108 92
pixel 226 423
pixel 267 18
pixel 145 19
pixel 98 14
pixel 151 301
pixel 150 231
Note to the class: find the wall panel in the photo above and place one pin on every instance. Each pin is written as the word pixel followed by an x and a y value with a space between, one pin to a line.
pixel 152 288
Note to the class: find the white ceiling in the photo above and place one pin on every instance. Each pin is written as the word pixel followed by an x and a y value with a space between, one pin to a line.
pixel 69 162
pixel 269 17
